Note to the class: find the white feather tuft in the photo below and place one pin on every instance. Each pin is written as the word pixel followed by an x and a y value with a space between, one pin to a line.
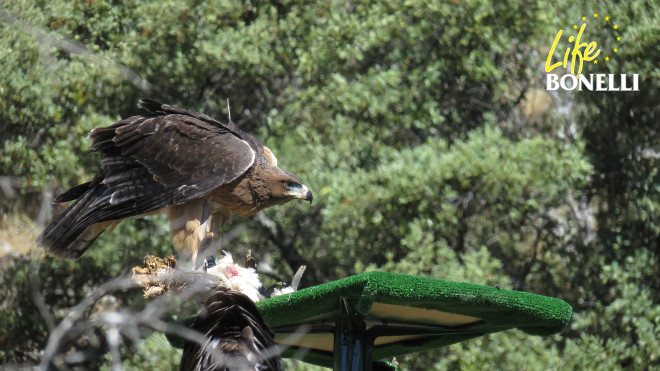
pixel 245 280
pixel 283 291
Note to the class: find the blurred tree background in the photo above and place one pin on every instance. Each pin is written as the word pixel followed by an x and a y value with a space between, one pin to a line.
pixel 423 128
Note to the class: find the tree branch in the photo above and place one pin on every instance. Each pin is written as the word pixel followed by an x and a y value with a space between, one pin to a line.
pixel 276 235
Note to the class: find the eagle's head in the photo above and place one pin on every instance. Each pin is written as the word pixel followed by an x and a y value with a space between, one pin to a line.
pixel 277 186
pixel 290 187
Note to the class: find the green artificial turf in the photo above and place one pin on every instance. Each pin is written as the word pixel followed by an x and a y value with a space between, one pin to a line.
pixel 497 309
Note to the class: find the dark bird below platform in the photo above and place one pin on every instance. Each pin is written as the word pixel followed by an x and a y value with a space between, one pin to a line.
pixel 237 337
pixel 185 164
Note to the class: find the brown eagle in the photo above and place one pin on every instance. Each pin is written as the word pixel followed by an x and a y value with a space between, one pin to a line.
pixel 185 164
pixel 237 336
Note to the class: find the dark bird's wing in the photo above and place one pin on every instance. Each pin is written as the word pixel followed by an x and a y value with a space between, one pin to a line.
pixel 167 157
pixel 182 155
pixel 237 337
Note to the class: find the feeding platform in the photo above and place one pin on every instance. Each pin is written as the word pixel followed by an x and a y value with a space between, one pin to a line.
pixel 349 323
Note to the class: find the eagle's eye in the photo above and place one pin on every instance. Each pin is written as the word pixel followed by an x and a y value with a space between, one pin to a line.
pixel 290 184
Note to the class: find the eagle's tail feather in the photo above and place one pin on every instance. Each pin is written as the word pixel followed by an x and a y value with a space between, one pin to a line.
pixel 74 231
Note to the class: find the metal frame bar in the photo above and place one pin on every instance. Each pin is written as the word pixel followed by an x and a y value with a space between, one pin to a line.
pixel 354 344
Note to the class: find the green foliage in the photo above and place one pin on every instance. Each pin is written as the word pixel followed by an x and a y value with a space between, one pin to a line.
pixel 152 353
pixel 414 123
pixel 488 184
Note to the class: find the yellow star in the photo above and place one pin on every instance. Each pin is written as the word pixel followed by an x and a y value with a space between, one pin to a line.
pixel 595 15
pixel 596 61
pixel 584 18
pixel 618 38
pixel 616 27
pixel 575 27
pixel 607 59
pixel 607 18
pixel 616 50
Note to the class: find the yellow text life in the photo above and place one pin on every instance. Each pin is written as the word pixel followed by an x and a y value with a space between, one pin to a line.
pixel 576 53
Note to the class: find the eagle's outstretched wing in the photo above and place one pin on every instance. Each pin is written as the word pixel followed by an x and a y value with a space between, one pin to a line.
pixel 150 161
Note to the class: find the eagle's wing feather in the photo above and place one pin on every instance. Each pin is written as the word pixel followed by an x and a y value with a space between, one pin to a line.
pixel 160 108
pixel 157 161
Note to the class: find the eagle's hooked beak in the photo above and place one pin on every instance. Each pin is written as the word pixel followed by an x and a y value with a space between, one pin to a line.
pixel 306 194
pixel 302 192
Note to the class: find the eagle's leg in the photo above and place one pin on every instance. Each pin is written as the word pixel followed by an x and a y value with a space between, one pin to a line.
pixel 205 227
pixel 189 226
pixel 212 242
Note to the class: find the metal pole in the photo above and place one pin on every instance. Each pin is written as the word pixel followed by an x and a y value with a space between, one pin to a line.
pixel 350 340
